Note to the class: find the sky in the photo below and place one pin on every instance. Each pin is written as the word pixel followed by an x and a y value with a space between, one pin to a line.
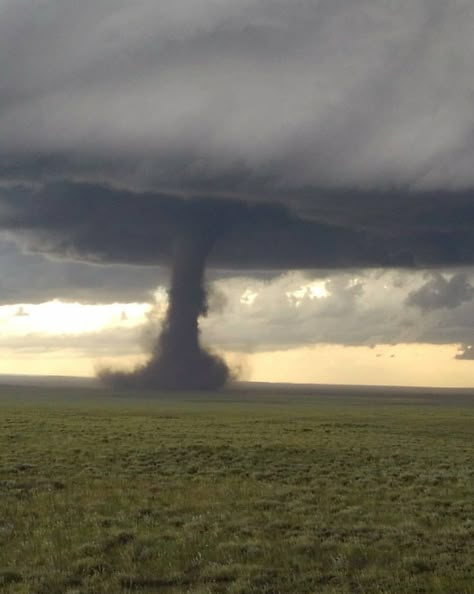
pixel 322 148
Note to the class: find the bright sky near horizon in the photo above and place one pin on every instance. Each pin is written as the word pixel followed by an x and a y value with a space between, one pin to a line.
pixel 67 338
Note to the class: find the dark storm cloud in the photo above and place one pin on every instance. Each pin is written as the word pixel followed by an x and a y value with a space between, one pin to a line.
pixel 321 105
pixel 239 96
pixel 440 292
pixel 105 225
pixel 33 278
pixel 102 225
pixel 309 134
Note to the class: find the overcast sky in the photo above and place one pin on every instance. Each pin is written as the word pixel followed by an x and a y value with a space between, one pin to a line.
pixel 331 140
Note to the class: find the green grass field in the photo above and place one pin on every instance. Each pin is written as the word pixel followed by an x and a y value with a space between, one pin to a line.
pixel 241 492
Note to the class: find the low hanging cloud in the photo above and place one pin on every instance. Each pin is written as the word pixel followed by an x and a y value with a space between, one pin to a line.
pixel 362 308
pixel 466 353
pixel 439 292
pixel 35 278
pixel 347 309
pixel 99 224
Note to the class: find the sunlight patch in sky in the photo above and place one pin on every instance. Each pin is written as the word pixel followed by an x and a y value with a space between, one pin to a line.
pixel 58 317
pixel 313 290
pixel 248 297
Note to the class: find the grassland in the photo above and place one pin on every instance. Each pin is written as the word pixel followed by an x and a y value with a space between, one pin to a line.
pixel 236 492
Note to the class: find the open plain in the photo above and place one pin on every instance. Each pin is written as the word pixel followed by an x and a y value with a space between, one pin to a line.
pixel 250 490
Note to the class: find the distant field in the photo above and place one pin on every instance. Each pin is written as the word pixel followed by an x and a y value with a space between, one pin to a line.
pixel 246 491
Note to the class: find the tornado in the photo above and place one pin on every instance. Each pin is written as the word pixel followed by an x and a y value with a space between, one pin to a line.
pixel 178 361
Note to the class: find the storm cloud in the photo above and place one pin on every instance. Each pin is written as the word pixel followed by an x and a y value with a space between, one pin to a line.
pixel 352 308
pixel 98 224
pixel 36 278
pixel 238 96
pixel 311 134
pixel 349 113
pixel 329 229
pixel 440 292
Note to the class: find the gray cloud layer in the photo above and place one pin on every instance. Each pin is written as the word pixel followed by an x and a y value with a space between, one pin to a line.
pixel 239 96
pixel 98 224
pixel 363 308
pixel 355 115
pixel 32 278
pixel 439 292
pixel 103 225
